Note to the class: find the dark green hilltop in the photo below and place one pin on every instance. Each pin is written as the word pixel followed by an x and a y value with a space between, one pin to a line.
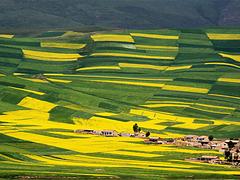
pixel 35 14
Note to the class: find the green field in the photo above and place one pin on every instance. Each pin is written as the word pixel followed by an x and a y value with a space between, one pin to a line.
pixel 171 82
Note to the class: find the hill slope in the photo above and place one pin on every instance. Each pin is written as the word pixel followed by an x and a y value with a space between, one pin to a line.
pixel 170 82
pixel 114 13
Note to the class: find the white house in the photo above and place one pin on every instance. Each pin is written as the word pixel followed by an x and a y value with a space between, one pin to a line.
pixel 109 133
pixel 125 134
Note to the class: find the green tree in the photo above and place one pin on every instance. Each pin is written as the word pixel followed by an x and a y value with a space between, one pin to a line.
pixel 139 129
pixel 227 154
pixel 230 144
pixel 135 128
pixel 210 138
pixel 148 134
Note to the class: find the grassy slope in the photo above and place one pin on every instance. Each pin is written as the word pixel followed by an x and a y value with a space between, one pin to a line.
pixel 194 92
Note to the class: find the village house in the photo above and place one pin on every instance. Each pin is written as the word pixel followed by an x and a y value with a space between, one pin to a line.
pixel 221 146
pixel 207 159
pixel 190 138
pixel 125 134
pixel 153 140
pixel 202 139
pixel 109 133
pixel 235 142
pixel 97 132
pixel 140 135
pixel 84 131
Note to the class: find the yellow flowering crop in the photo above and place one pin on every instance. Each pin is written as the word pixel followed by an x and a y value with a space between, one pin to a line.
pixel 223 64
pixel 98 67
pixel 185 89
pixel 36 104
pixel 131 83
pixel 58 80
pixel 213 36
pixel 9 36
pixel 164 105
pixel 28 90
pixel 134 56
pixel 155 36
pixel 42 55
pixel 142 66
pixel 231 80
pixel 62 45
pixel 172 68
pixel 112 37
pixel 232 56
pixel 167 48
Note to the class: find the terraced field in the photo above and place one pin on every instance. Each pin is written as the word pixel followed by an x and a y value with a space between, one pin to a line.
pixel 171 82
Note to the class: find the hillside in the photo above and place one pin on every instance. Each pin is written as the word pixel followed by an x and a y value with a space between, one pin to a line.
pixel 171 82
pixel 50 14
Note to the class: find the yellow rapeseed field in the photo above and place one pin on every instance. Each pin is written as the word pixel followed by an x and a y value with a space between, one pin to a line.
pixel 172 68
pixel 34 80
pixel 155 36
pixel 36 104
pixel 98 67
pixel 42 55
pixel 28 90
pixel 112 37
pixel 226 96
pixel 62 45
pixel 232 56
pixel 231 80
pixel 58 80
pixel 8 36
pixel 215 36
pixel 134 56
pixel 131 83
pixel 185 89
pixel 215 106
pixel 167 48
pixel 111 77
pixel 142 66
pixel 164 105
pixel 223 64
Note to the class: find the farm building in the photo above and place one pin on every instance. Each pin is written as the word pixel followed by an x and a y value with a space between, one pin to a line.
pixel 109 133
pixel 153 140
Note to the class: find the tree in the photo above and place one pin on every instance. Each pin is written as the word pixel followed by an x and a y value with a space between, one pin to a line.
pixel 139 129
pixel 230 144
pixel 148 134
pixel 227 154
pixel 210 138
pixel 135 128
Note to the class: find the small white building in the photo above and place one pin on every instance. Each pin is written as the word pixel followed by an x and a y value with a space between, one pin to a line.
pixel 202 139
pixel 97 132
pixel 84 131
pixel 125 134
pixel 109 133
pixel 222 146
pixel 190 137
pixel 140 135
pixel 153 140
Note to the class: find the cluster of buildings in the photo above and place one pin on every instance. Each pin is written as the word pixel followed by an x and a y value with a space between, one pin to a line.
pixel 110 133
pixel 230 148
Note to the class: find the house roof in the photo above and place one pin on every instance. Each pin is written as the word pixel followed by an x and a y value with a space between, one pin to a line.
pixel 109 131
pixel 154 138
pixel 234 141
pixel 210 157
